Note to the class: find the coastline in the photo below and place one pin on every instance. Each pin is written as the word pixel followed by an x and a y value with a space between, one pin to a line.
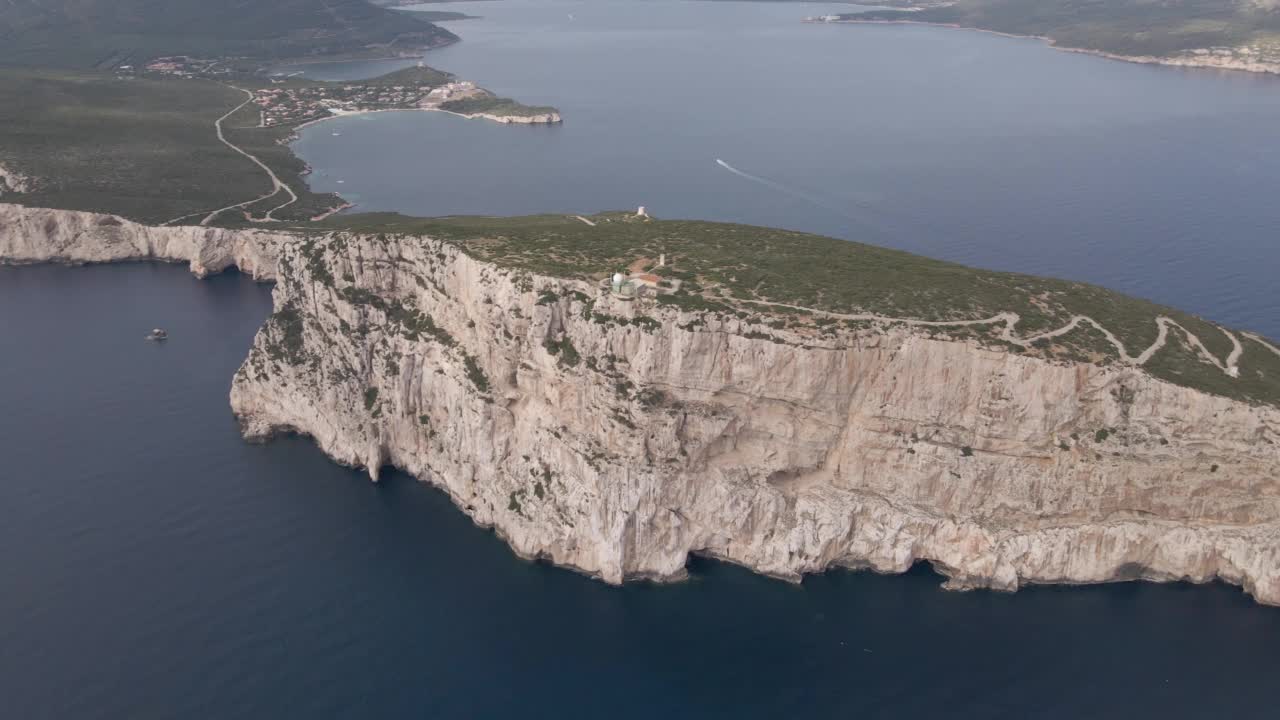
pixel 563 483
pixel 503 119
pixel 619 510
pixel 1200 63
pixel 416 54
pixel 346 204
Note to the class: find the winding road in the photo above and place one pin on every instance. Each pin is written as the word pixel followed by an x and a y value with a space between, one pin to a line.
pixel 276 183
pixel 1229 366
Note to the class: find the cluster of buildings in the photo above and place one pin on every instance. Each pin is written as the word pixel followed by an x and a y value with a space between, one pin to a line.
pixel 285 105
pixel 1246 50
pixel 291 106
pixel 1245 55
pixel 184 66
pixel 295 105
pixel 459 90
pixel 631 285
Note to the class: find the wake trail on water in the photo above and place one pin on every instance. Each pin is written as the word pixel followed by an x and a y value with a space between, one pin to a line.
pixel 775 185
pixel 798 193
pixel 870 214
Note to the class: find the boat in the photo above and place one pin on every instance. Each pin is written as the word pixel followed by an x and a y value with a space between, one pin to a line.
pixel 158 334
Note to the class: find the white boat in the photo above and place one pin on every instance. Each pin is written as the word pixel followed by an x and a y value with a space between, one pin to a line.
pixel 158 334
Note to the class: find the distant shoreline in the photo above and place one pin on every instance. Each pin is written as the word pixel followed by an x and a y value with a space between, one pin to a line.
pixel 1196 62
pixel 476 116
pixel 417 54
pixel 347 204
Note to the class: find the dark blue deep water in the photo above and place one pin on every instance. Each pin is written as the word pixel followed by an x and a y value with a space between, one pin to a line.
pixel 153 565
pixel 156 566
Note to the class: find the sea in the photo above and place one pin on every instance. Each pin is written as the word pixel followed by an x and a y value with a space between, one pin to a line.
pixel 155 565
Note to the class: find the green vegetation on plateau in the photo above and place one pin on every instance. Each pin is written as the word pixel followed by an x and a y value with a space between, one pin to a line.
pixel 416 75
pixel 107 33
pixel 722 265
pixel 495 106
pixel 94 132
pixel 1123 27
pixel 144 148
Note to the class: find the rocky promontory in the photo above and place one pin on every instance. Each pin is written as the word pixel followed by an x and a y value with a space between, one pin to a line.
pixel 620 436
pixel 547 118
pixel 619 433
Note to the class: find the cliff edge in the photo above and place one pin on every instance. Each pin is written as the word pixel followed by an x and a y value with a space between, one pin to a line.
pixel 619 433
pixel 619 436
pixel 40 235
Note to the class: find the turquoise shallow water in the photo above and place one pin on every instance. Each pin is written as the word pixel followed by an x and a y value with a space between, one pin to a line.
pixel 156 566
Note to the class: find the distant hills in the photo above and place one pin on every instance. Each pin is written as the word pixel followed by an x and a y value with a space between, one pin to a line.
pixel 1122 27
pixel 107 33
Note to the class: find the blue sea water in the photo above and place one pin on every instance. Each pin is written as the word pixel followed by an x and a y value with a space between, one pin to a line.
pixel 998 152
pixel 157 566
pixel 154 565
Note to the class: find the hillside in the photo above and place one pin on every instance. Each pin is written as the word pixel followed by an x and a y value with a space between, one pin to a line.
pixel 108 33
pixel 1246 29
pixel 144 147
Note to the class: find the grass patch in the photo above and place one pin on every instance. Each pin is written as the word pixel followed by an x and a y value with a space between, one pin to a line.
pixel 144 148
pixel 475 373
pixel 495 106
pixel 564 348
pixel 725 268
pixel 285 341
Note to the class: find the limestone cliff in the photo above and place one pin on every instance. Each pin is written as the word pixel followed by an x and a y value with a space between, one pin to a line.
pixel 13 182
pixel 551 118
pixel 38 235
pixel 619 437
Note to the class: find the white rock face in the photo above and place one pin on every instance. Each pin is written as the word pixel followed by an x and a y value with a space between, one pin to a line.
pixel 676 434
pixel 1231 60
pixel 39 235
pixel 540 119
pixel 13 182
